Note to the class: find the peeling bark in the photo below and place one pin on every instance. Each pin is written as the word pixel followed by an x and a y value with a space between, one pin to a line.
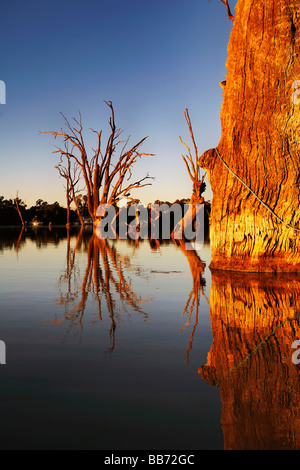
pixel 260 119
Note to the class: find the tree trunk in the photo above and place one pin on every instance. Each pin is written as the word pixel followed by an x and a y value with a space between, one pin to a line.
pixel 255 321
pixel 255 207
pixel 68 210
pixel 77 210
pixel 19 212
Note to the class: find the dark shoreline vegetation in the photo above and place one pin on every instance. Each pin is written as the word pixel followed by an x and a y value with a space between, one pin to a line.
pixel 42 212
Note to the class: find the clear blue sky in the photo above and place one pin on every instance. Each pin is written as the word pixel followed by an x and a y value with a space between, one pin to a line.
pixel 152 59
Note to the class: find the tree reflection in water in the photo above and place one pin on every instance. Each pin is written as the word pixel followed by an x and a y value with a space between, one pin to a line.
pixel 16 238
pixel 105 278
pixel 105 275
pixel 197 267
pixel 12 238
pixel 255 320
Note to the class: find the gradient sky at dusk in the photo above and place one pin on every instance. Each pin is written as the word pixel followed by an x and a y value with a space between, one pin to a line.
pixel 152 59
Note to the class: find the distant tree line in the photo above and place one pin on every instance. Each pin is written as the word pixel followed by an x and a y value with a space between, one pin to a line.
pixel 15 212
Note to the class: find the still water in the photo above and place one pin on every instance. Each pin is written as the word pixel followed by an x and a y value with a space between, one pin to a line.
pixel 115 345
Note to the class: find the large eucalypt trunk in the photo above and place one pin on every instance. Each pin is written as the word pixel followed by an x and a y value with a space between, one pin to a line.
pixel 255 170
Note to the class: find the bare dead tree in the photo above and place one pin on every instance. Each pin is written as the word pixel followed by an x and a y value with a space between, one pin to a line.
pixel 107 176
pixel 71 173
pixel 229 14
pixel 17 207
pixel 193 166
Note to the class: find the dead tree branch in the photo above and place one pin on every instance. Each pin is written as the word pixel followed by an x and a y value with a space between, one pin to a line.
pixel 229 14
pixel 71 174
pixel 17 207
pixel 193 165
pixel 105 173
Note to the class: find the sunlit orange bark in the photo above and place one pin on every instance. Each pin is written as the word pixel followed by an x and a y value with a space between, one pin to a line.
pixel 192 163
pixel 18 210
pixel 259 143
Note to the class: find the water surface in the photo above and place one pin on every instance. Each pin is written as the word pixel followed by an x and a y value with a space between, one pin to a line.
pixel 116 345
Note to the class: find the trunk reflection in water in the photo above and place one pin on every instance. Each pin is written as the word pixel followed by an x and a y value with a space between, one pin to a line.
pixel 255 320
pixel 197 267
